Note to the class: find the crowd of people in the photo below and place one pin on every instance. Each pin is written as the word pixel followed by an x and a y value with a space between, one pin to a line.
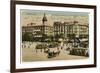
pixel 51 51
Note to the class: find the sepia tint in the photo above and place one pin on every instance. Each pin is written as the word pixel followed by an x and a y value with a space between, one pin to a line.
pixel 54 35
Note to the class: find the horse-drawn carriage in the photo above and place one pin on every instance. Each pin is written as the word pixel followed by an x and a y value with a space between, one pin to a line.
pixel 53 54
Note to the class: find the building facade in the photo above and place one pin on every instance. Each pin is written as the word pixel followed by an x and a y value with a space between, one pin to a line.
pixel 39 32
pixel 70 30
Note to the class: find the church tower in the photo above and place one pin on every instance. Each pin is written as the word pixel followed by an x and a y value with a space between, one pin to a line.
pixel 44 20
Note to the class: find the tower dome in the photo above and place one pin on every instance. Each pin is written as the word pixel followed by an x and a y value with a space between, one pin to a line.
pixel 44 18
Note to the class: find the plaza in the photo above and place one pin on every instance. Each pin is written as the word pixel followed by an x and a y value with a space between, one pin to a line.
pixel 29 54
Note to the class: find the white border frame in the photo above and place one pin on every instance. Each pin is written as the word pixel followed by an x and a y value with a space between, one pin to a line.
pixel 39 64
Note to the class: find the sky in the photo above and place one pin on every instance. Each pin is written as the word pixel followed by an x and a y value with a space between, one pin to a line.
pixel 35 16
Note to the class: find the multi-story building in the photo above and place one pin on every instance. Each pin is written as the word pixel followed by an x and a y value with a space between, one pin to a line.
pixel 70 30
pixel 39 32
pixel 59 29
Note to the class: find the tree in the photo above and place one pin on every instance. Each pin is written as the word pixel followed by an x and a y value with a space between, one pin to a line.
pixel 27 36
pixel 61 35
pixel 57 36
